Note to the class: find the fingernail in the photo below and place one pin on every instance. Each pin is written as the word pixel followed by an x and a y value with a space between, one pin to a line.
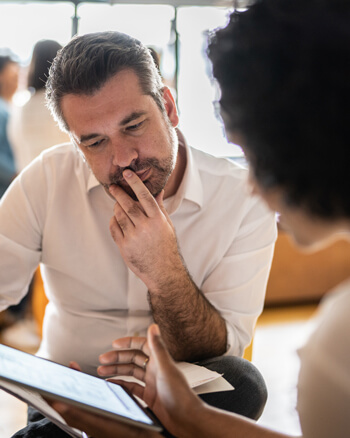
pixel 60 407
pixel 156 330
pixel 102 359
pixel 127 173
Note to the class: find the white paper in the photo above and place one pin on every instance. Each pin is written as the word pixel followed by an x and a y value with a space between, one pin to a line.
pixel 199 378
pixel 202 380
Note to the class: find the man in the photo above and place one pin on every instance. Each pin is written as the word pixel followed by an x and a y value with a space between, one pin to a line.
pixel 184 251
pixel 283 69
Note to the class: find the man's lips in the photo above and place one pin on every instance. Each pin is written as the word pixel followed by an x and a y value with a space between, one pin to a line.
pixel 143 174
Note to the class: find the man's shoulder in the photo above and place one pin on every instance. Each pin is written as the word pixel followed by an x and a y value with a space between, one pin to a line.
pixel 218 166
pixel 334 309
pixel 56 170
pixel 62 159
pixel 60 149
pixel 224 183
pixel 64 152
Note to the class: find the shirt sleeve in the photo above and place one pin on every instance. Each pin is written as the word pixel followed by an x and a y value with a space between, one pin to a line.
pixel 324 379
pixel 237 286
pixel 20 235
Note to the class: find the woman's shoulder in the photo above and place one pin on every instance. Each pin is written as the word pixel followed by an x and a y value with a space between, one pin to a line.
pixel 330 339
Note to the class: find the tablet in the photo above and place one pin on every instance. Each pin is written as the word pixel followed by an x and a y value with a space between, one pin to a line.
pixel 23 371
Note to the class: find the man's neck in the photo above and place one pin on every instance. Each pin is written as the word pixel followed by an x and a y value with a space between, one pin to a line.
pixel 175 178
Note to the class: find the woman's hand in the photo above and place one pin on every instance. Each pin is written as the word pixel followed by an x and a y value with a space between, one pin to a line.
pixel 166 391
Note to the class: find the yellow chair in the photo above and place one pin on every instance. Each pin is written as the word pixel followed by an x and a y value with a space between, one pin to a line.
pixel 39 300
pixel 248 352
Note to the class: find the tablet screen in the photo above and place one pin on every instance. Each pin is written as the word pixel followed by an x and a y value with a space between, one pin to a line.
pixel 49 378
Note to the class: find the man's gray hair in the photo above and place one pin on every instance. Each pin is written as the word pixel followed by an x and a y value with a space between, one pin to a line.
pixel 87 62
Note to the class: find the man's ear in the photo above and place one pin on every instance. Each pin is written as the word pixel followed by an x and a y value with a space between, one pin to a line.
pixel 170 107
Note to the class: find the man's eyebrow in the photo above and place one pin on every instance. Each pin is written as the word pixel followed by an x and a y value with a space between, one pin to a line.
pixel 133 116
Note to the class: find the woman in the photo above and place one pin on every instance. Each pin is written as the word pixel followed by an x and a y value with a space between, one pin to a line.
pixel 32 128
pixel 283 69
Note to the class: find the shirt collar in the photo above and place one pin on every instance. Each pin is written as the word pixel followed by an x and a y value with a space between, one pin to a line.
pixel 92 181
pixel 190 188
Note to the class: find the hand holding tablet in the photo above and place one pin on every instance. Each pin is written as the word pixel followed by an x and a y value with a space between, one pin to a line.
pixel 21 371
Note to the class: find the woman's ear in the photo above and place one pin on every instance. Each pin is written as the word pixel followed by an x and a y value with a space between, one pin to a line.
pixel 170 107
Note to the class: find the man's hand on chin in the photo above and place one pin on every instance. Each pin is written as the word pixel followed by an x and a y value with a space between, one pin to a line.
pixel 144 233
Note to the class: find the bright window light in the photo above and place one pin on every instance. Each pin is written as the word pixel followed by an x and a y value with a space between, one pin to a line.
pixel 195 89
pixel 23 24
pixel 148 23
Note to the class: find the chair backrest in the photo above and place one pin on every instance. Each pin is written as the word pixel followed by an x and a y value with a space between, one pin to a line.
pixel 248 352
pixel 39 300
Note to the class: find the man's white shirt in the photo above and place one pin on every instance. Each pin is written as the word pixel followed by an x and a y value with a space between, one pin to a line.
pixel 57 214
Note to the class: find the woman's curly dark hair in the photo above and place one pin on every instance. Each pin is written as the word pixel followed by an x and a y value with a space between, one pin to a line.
pixel 283 67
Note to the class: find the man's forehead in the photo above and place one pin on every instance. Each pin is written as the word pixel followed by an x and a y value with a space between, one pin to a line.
pixel 120 106
pixel 124 82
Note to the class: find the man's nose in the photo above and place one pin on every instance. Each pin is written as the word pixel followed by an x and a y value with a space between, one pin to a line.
pixel 123 154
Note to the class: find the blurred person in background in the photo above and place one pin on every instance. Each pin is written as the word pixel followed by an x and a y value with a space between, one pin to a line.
pixel 31 128
pixel 9 73
pixel 9 70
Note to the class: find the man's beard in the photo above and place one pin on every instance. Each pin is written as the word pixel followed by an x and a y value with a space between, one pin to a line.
pixel 160 172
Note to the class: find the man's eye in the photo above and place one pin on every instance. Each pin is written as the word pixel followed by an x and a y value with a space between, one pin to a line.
pixel 95 144
pixel 135 127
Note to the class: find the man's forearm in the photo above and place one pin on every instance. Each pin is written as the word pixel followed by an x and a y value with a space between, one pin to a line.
pixel 191 326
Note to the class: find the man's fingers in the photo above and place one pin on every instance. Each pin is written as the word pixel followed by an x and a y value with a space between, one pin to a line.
pixel 129 358
pixel 115 230
pixel 123 356
pixel 121 219
pixel 143 194
pixel 146 199
pixel 132 342
pixel 74 365
pixel 133 365
pixel 160 198
pixel 128 369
